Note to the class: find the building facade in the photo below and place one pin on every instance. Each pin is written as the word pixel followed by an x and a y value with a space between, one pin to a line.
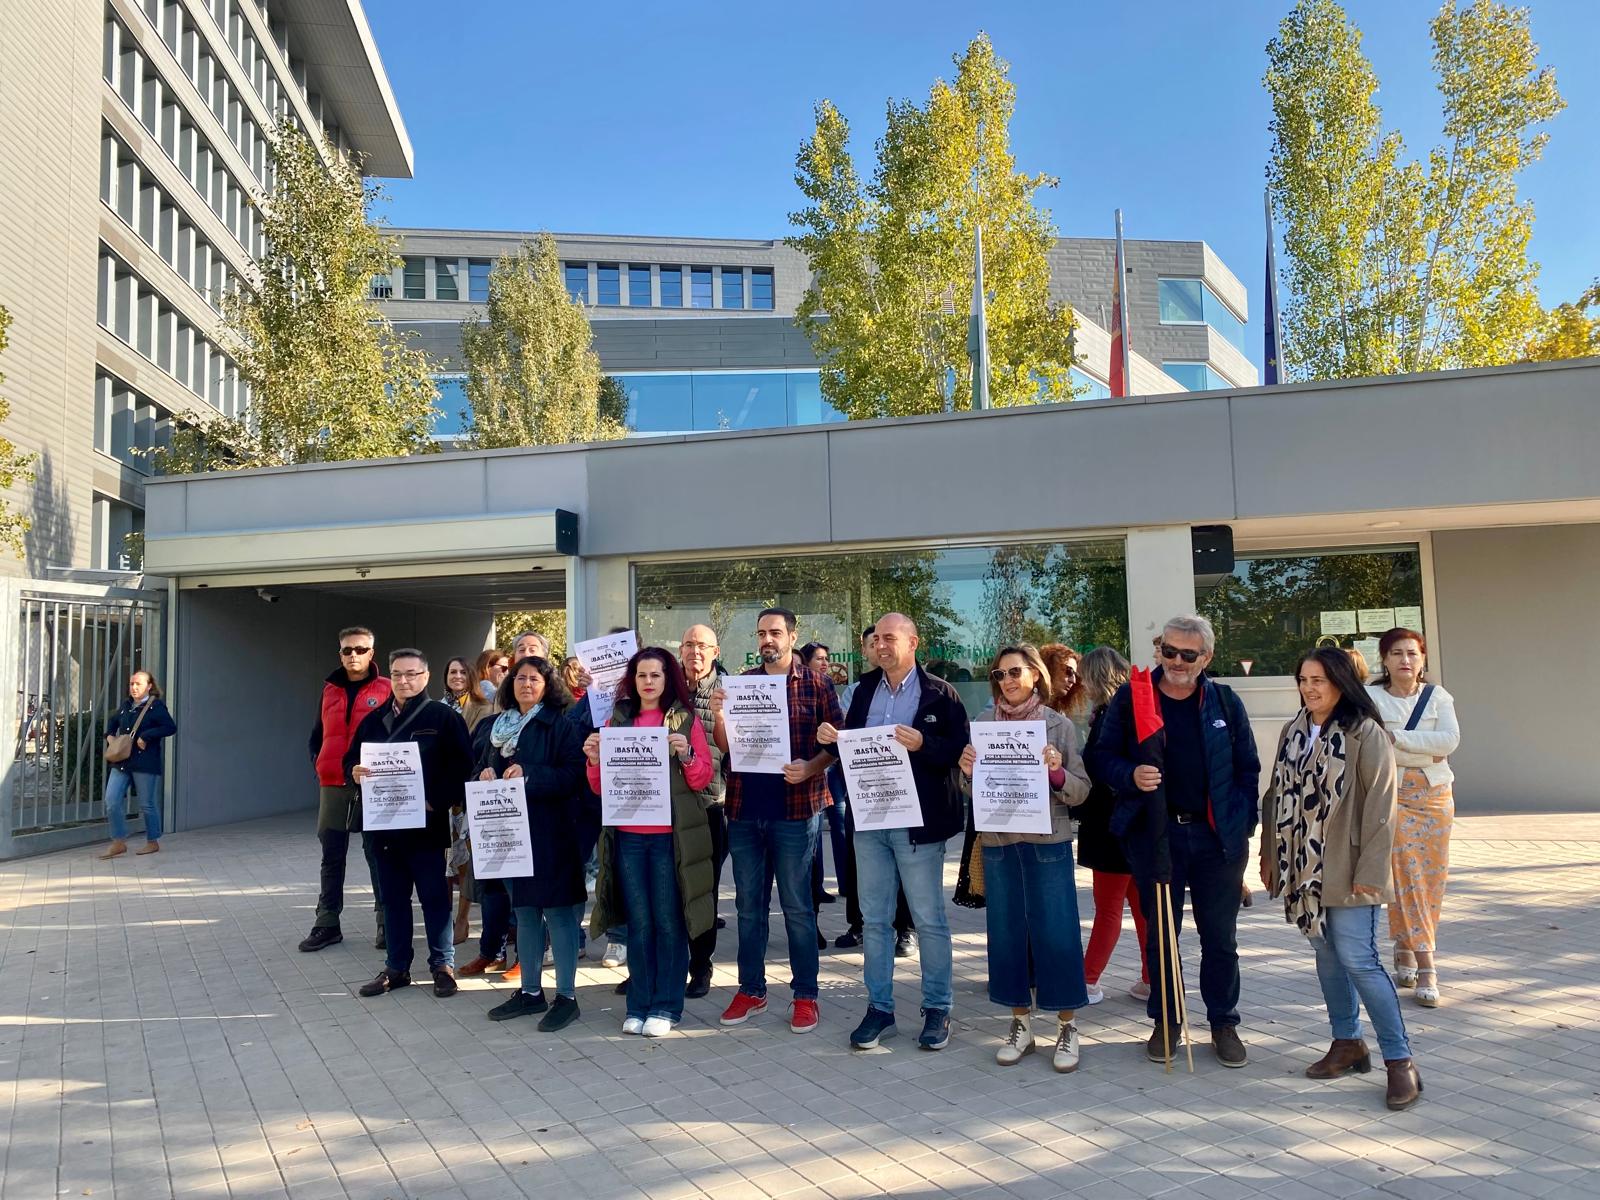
pixel 701 331
pixel 133 148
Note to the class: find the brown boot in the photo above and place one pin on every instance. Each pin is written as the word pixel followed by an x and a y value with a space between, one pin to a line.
pixel 476 967
pixel 1405 1085
pixel 1344 1056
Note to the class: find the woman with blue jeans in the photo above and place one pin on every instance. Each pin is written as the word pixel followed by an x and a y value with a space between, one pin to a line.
pixel 1327 836
pixel 657 878
pixel 143 715
pixel 1031 895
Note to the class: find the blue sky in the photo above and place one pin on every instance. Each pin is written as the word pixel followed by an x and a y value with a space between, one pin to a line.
pixel 684 119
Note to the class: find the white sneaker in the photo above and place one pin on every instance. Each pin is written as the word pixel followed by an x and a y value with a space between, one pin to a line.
pixel 657 1026
pixel 1096 993
pixel 550 960
pixel 633 1025
pixel 1140 991
pixel 1066 1057
pixel 1018 1043
pixel 616 954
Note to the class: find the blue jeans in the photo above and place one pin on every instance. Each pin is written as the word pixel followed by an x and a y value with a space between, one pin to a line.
pixel 764 851
pixel 1349 969
pixel 148 788
pixel 1213 885
pixel 400 869
pixel 1032 916
pixel 658 943
pixel 833 816
pixel 563 922
pixel 886 860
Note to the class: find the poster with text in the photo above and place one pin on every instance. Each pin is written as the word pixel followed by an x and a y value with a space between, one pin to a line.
pixel 391 792
pixel 877 770
pixel 1010 784
pixel 1375 620
pixel 605 658
pixel 755 713
pixel 497 820
pixel 635 776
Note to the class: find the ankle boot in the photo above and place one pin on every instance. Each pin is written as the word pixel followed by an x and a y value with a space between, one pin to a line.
pixel 1405 1084
pixel 1345 1055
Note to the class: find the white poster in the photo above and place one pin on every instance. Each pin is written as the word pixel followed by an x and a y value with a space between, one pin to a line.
pixel 635 776
pixel 877 770
pixel 1375 620
pixel 391 794
pixel 755 712
pixel 497 819
pixel 1010 785
pixel 1339 623
pixel 1369 651
pixel 1408 617
pixel 605 658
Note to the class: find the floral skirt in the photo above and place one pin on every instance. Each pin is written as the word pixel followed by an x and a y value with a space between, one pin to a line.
pixel 1421 860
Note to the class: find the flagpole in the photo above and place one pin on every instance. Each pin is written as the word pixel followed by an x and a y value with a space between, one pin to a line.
pixel 978 328
pixel 1122 309
pixel 1273 350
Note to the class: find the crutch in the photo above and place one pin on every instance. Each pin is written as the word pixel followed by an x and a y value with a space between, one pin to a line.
pixel 1181 993
pixel 1161 980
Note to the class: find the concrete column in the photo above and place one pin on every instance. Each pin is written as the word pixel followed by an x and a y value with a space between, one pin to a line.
pixel 655 285
pixel 1160 583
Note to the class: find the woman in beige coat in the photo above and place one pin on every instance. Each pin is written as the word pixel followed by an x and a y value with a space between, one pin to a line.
pixel 1327 833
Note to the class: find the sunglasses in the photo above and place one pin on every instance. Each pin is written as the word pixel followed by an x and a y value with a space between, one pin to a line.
pixel 352 651
pixel 997 675
pixel 1188 656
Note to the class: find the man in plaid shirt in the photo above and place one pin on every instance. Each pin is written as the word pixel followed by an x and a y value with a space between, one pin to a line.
pixel 773 822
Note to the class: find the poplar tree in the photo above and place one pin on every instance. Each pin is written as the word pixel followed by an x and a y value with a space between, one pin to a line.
pixel 1395 264
pixel 892 259
pixel 330 378
pixel 533 378
pixel 1568 330
pixel 14 467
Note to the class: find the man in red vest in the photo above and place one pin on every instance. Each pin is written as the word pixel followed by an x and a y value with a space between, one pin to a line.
pixel 349 694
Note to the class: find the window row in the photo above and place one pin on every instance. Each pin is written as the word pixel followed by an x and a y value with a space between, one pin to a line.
pixel 247 50
pixel 664 287
pixel 158 111
pixel 698 401
pixel 1092 388
pixel 134 313
pixel 1196 376
pixel 113 526
pixel 145 209
pixel 128 425
pixel 1191 302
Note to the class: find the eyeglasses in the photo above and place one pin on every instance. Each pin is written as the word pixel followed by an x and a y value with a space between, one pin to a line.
pixel 352 651
pixel 1188 656
pixel 406 675
pixel 697 646
pixel 998 674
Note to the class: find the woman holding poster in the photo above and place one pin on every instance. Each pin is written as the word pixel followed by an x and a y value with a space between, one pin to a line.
pixel 532 741
pixel 1032 897
pixel 657 878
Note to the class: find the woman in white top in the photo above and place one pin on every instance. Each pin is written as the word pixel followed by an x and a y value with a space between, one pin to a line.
pixel 1421 720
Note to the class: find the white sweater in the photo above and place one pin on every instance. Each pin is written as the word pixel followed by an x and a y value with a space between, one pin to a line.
pixel 1436 736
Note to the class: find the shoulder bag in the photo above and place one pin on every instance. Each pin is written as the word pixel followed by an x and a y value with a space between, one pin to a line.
pixel 119 746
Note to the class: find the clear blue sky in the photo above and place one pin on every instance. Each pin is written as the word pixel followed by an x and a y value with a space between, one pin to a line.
pixel 684 119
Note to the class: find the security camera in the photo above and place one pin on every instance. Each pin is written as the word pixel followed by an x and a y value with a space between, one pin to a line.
pixel 268 597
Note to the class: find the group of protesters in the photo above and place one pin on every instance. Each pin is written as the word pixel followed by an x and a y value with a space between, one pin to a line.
pixel 1356 815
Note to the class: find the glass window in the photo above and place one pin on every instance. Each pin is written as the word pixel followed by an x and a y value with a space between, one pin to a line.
pixel 659 403
pixel 1195 376
pixel 806 403
pixel 416 279
pixel 671 287
pixel 449 424
pixel 639 287
pixel 740 400
pixel 1274 604
pixel 732 288
pixel 700 287
pixel 1191 302
pixel 444 279
pixel 478 280
pixel 382 287
pixel 1095 390
pixel 761 290
pixel 578 281
pixel 966 601
pixel 608 284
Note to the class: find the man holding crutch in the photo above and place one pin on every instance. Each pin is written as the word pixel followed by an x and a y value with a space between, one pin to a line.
pixel 1208 776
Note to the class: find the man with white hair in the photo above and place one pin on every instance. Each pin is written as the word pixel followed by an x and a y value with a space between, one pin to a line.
pixel 1209 775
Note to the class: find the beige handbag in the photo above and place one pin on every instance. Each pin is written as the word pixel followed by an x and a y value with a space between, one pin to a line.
pixel 119 746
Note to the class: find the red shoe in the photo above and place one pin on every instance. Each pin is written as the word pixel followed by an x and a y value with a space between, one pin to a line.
pixel 513 975
pixel 476 967
pixel 802 1016
pixel 743 1008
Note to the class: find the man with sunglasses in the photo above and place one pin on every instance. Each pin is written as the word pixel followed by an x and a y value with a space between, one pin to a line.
pixel 349 694
pixel 1209 774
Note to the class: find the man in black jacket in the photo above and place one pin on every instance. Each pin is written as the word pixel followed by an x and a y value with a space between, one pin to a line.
pixel 930 722
pixel 414 858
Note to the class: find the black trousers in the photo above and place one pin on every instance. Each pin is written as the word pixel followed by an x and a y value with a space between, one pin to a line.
pixel 1212 884
pixel 335 849
pixel 703 947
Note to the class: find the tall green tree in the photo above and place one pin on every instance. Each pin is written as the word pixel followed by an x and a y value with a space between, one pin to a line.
pixel 892 259
pixel 533 378
pixel 1396 264
pixel 1568 330
pixel 14 468
pixel 330 378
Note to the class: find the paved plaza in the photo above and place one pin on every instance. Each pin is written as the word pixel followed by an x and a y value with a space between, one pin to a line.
pixel 160 1036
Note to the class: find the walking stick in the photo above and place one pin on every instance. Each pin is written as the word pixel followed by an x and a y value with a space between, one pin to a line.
pixel 1181 993
pixel 1161 980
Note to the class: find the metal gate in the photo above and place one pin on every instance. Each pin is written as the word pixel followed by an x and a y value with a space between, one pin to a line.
pixel 75 646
